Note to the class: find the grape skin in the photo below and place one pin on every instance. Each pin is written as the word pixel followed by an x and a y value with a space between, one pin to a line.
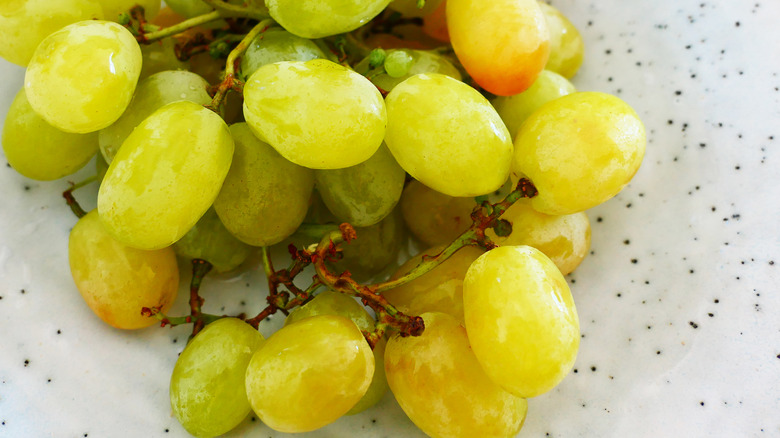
pixel 566 46
pixel 375 248
pixel 276 45
pixel 209 240
pixel 321 18
pixel 424 62
pixel 433 217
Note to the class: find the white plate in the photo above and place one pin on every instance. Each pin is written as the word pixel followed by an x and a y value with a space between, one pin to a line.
pixel 678 302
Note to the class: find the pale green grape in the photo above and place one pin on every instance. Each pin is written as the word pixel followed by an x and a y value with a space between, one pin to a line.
pixel 317 114
pixel 433 217
pixel 112 8
pixel 276 45
pixel 209 240
pixel 166 175
pixel 82 77
pixel 189 8
pixel 264 197
pixel 441 386
pixel 440 290
pixel 409 7
pixel 375 248
pixel 118 281
pixel 160 56
pixel 38 150
pixel 25 23
pixel 365 193
pixel 515 109
pixel 579 151
pixel 521 319
pixel 447 136
pixel 566 46
pixel 152 94
pixel 398 63
pixel 321 18
pixel 423 62
pixel 564 239
pixel 208 390
pixel 310 373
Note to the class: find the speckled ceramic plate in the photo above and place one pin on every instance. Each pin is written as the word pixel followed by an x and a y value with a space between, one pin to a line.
pixel 678 301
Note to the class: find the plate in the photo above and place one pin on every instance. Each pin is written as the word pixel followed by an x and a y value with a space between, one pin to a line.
pixel 678 301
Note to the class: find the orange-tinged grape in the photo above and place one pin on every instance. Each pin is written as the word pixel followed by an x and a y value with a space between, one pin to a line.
pixel 118 281
pixel 566 46
pixel 512 46
pixel 515 109
pixel 442 388
pixel 320 18
pixel 409 7
pixel 433 217
pixel 435 24
pixel 463 151
pixel 440 290
pixel 564 239
pixel 208 390
pixel 521 319
pixel 579 151
pixel 310 373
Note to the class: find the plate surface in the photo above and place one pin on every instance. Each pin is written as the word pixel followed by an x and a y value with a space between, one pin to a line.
pixel 679 301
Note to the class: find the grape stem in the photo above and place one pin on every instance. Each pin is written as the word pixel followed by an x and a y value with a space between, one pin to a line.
pixel 150 37
pixel 71 200
pixel 229 10
pixel 200 268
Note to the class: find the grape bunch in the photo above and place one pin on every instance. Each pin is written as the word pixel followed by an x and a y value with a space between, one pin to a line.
pixel 336 128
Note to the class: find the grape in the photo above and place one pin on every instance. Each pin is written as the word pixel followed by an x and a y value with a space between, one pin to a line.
pixel 423 62
pixel 433 217
pixel 398 63
pixel 152 94
pixel 38 150
pixel 101 167
pixel 365 193
pixel 566 46
pixel 521 319
pixel 25 23
pixel 512 47
pixel 435 24
pixel 310 373
pixel 317 114
pixel 579 151
pixel 321 18
pixel 208 390
pixel 117 281
pixel 264 197
pixel 82 77
pixel 463 151
pixel 276 45
pixel 440 290
pixel 112 8
pixel 515 109
pixel 166 175
pixel 442 388
pixel 160 56
pixel 409 7
pixel 209 240
pixel 564 239
pixel 375 248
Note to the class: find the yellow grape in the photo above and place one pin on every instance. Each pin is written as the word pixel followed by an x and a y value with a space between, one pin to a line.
pixel 321 18
pixel 310 373
pixel 82 77
pixel 38 150
pixel 566 46
pixel 433 217
pixel 317 114
pixel 521 319
pixel 118 281
pixel 166 175
pixel 564 239
pixel 443 389
pixel 209 240
pixel 579 151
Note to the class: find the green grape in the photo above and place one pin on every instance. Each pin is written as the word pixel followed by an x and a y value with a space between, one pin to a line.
pixel 423 62
pixel 447 136
pixel 112 8
pixel 375 248
pixel 82 77
pixel 521 319
pixel 365 193
pixel 579 151
pixel 25 23
pixel 334 303
pixel 166 175
pixel 321 18
pixel 276 45
pixel 160 56
pixel 189 8
pixel 515 109
pixel 441 386
pixel 310 373
pixel 433 217
pixel 118 281
pixel 564 239
pixel 566 46
pixel 440 290
pixel 38 150
pixel 152 94
pixel 208 390
pixel 264 197
pixel 317 114
pixel 101 167
pixel 409 7
pixel 398 63
pixel 209 240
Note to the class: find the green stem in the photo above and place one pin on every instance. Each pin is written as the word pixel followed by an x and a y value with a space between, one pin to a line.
pixel 178 28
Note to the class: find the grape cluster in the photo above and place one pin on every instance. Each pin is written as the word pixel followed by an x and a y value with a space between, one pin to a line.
pixel 334 127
